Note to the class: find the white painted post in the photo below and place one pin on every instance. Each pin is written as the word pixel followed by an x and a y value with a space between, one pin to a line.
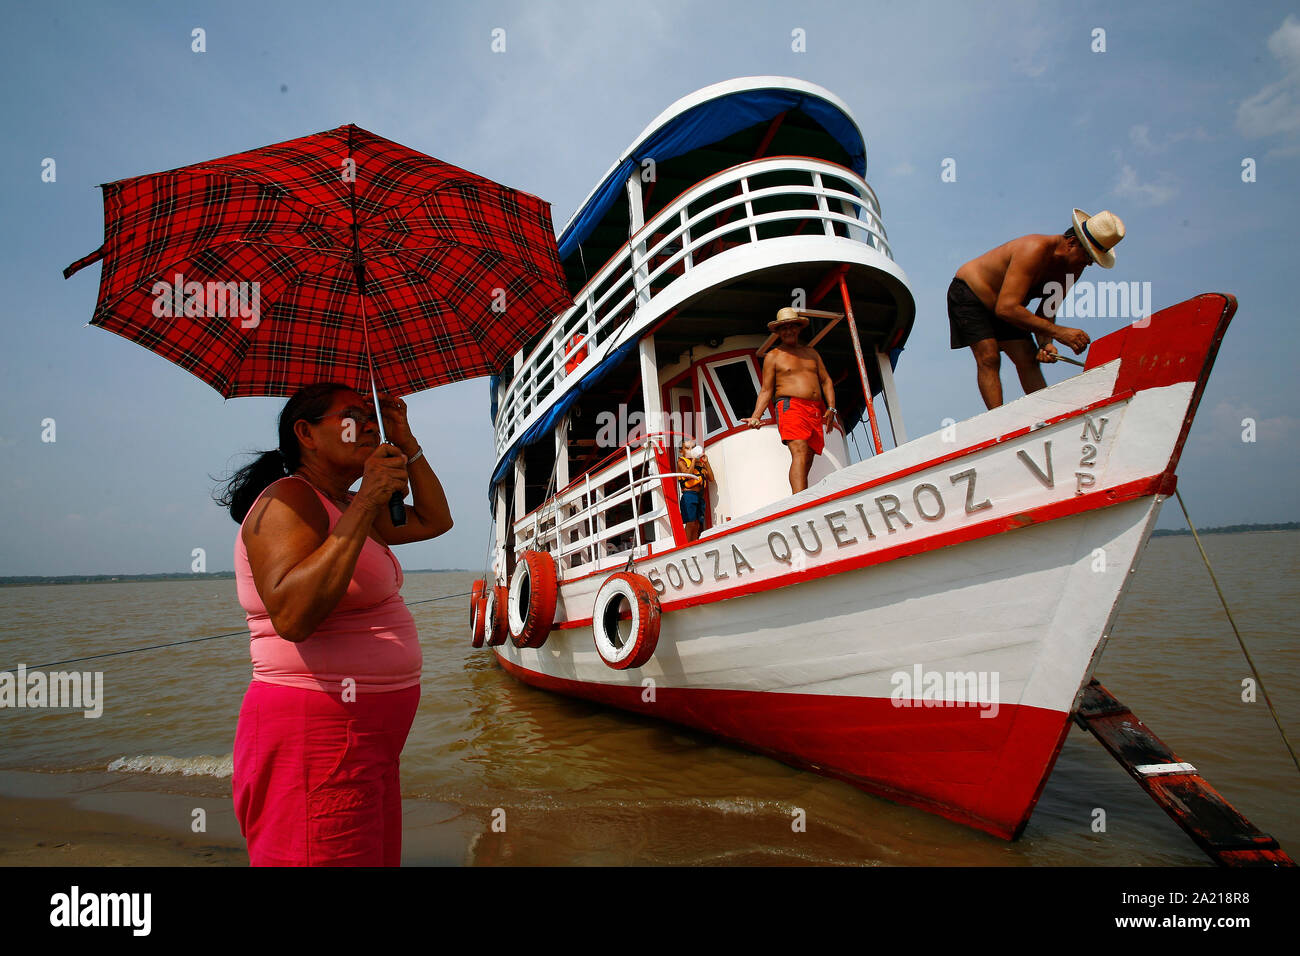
pixel 561 480
pixel 689 259
pixel 592 520
pixel 892 406
pixel 632 489
pixel 654 421
pixel 519 486
pixel 822 206
pixel 562 454
pixel 749 209
pixel 640 271
pixel 498 559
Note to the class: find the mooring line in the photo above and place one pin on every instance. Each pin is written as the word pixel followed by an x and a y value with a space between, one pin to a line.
pixel 193 640
pixel 1224 601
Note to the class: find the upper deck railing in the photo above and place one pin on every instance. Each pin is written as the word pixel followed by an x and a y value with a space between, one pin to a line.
pixel 747 204
pixel 617 508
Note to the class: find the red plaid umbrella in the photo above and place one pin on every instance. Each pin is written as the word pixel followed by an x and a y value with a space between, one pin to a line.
pixel 309 260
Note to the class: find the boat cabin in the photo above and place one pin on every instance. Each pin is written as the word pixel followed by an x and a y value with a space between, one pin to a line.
pixel 739 200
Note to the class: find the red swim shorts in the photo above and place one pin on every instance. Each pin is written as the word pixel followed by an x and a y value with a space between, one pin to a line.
pixel 801 419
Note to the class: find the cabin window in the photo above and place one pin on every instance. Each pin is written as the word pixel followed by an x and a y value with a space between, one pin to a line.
pixel 738 386
pixel 712 417
pixel 681 409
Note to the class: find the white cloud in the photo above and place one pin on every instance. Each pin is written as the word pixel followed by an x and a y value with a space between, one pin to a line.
pixel 1228 420
pixel 1140 136
pixel 903 169
pixel 1285 43
pixel 1147 194
pixel 1030 47
pixel 1283 152
pixel 1275 109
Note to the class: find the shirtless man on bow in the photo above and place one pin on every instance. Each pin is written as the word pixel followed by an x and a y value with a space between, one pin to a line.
pixel 795 374
pixel 987 299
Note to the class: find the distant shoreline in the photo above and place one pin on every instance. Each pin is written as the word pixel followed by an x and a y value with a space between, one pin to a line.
pixel 17 581
pixel 14 581
pixel 1231 529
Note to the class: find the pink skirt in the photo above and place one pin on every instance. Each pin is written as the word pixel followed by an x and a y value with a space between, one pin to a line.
pixel 316 778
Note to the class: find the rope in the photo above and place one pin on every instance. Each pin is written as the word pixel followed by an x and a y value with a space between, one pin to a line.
pixel 193 640
pixel 491 547
pixel 1244 650
pixel 853 437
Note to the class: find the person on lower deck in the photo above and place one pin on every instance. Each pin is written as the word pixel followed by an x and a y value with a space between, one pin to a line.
pixel 988 295
pixel 797 377
pixel 695 489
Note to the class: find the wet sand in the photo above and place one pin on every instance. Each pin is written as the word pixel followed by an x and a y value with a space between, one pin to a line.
pixel 71 819
pixel 40 825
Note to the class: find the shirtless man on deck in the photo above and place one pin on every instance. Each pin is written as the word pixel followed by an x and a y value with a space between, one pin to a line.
pixel 795 374
pixel 987 299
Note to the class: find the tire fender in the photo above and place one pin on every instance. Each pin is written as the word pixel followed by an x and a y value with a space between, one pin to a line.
pixel 476 615
pixel 619 593
pixel 534 590
pixel 495 627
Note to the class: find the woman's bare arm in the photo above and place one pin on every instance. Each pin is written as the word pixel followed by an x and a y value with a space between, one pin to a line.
pixel 300 568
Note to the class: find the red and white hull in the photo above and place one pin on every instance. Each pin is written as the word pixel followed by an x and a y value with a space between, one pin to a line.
pixel 921 624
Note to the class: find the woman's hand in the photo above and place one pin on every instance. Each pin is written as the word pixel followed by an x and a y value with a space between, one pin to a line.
pixel 385 473
pixel 396 428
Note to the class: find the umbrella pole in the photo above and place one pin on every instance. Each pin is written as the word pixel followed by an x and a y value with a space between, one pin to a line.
pixel 396 508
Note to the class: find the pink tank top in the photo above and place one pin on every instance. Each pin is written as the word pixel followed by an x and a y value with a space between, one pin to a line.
pixel 370 636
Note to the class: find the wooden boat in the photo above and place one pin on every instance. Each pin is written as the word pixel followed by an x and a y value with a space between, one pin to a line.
pixel 923 620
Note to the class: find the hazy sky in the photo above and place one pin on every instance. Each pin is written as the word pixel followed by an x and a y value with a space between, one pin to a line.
pixel 1155 128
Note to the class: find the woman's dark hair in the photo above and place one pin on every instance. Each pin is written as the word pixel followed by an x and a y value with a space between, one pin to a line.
pixel 310 404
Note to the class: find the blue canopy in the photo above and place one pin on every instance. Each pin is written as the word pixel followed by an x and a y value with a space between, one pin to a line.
pixel 708 123
pixel 546 424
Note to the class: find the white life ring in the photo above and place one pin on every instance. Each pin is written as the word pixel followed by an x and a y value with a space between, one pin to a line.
pixel 634 595
pixel 534 590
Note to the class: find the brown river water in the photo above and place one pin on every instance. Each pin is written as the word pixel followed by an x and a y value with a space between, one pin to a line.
pixel 578 784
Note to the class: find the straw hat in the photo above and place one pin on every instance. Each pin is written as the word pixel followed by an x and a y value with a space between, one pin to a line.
pixel 1099 234
pixel 785 317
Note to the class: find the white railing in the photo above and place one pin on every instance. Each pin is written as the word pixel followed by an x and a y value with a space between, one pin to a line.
pixel 604 516
pixel 690 230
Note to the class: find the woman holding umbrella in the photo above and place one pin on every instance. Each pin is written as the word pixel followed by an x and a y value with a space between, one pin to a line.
pixel 338 256
pixel 336 657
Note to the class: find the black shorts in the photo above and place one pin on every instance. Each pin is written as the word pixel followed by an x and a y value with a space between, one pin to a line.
pixel 970 320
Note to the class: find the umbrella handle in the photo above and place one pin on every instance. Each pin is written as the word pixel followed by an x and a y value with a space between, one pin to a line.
pixel 397 510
